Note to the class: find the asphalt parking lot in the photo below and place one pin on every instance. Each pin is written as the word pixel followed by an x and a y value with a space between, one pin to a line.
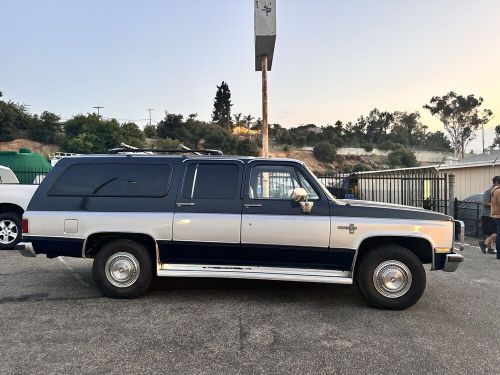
pixel 54 320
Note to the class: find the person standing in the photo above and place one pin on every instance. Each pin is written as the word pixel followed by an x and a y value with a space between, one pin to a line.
pixel 487 222
pixel 495 211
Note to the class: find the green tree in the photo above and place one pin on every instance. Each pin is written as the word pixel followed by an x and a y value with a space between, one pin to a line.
pixel 132 135
pixel 437 141
pixel 150 131
pixel 248 120
pixel 402 158
pixel 222 106
pixel 247 147
pixel 377 125
pixel 496 140
pixel 324 151
pixel 46 129
pixel 15 121
pixel 91 134
pixel 172 126
pixel 237 118
pixel 461 117
pixel 407 129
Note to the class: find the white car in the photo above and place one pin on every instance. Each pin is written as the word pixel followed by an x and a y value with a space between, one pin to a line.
pixel 14 198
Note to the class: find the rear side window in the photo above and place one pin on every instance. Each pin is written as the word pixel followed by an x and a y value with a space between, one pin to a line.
pixel 211 181
pixel 114 180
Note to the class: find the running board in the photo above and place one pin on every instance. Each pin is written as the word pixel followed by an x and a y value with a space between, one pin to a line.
pixel 255 272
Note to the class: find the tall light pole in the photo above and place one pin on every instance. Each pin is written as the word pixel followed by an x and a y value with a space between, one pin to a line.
pixel 265 38
pixel 150 110
pixel 98 107
pixel 265 123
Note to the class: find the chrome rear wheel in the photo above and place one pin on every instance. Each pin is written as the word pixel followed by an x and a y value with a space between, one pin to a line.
pixel 122 269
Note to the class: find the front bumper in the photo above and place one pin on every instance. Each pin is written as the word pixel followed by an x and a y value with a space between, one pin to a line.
pixel 26 249
pixel 452 262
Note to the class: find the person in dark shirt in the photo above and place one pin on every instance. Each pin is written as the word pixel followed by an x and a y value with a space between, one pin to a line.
pixel 487 222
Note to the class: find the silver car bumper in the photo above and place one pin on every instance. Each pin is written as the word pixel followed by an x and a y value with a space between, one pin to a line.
pixel 26 249
pixel 452 262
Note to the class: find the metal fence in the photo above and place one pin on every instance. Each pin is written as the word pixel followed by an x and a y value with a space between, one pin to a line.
pixel 30 176
pixel 470 214
pixel 423 187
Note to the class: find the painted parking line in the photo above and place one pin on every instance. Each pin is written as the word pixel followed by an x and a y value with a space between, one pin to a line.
pixel 73 272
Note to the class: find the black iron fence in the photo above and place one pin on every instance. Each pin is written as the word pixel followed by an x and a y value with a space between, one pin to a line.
pixel 421 187
pixel 28 176
pixel 470 214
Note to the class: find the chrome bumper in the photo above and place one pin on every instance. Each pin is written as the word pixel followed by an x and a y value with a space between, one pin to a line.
pixel 26 249
pixel 461 234
pixel 452 262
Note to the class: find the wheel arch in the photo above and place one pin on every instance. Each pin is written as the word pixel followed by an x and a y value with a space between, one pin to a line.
pixel 11 207
pixel 420 246
pixel 95 241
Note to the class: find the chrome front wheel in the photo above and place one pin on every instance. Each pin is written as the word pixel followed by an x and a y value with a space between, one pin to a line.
pixel 392 279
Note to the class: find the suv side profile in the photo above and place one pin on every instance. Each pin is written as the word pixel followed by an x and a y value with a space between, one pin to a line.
pixel 233 217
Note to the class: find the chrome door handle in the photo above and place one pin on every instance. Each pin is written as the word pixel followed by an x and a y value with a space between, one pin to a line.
pixel 252 205
pixel 180 204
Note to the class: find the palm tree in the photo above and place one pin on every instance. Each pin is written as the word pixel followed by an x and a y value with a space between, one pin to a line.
pixel 237 118
pixel 248 120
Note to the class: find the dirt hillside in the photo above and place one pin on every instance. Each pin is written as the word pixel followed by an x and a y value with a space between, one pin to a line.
pixel 16 144
pixel 341 164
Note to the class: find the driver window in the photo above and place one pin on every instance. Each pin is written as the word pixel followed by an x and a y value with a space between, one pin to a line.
pixel 272 182
pixel 277 182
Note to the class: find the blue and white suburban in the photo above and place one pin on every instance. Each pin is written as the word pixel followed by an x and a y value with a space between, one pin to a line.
pixel 232 217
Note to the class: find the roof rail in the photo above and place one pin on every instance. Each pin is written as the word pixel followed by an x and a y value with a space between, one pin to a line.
pixel 181 150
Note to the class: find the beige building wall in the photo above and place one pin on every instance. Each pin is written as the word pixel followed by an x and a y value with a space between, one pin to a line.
pixel 472 180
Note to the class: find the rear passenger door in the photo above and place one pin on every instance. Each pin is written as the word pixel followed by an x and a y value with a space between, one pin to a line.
pixel 207 219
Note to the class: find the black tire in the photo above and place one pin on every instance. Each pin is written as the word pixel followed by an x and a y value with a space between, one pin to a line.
pixel 123 254
pixel 6 240
pixel 388 259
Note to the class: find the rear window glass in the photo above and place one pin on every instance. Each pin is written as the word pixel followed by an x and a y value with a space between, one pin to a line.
pixel 211 181
pixel 114 180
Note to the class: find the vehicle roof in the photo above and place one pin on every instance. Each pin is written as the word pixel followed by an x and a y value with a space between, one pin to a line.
pixel 159 157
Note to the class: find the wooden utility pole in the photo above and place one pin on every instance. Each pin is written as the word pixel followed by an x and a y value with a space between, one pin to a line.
pixel 265 126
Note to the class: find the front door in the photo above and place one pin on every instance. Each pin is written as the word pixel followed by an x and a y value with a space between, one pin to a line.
pixel 274 231
pixel 207 218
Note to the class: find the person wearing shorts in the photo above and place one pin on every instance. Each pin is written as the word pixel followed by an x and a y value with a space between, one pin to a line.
pixel 487 222
pixel 495 211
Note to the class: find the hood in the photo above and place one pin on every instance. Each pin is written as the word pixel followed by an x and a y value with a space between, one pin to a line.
pixel 358 208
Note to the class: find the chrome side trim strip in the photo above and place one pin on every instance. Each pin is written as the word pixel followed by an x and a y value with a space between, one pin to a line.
pixel 255 272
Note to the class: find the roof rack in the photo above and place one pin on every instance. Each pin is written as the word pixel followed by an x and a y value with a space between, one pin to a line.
pixel 124 148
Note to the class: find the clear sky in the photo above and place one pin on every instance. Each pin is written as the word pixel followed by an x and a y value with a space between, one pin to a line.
pixel 334 60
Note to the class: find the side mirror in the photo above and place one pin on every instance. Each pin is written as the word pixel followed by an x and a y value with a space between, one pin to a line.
pixel 299 195
pixel 306 207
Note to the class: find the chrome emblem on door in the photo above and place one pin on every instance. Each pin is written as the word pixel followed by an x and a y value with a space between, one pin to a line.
pixel 351 228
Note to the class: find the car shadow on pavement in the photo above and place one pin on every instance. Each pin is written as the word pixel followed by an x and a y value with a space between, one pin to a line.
pixel 265 291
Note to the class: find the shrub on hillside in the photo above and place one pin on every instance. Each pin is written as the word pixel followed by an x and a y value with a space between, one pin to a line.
pixel 368 147
pixel 247 147
pixel 386 145
pixel 324 151
pixel 402 158
pixel 360 167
